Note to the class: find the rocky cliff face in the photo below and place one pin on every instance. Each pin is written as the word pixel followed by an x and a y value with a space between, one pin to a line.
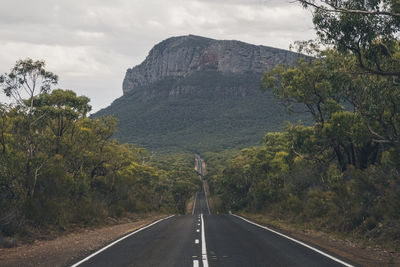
pixel 198 94
pixel 180 57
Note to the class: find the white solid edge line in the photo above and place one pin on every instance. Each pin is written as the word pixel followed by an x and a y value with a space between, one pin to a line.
pixel 297 241
pixel 205 194
pixel 122 238
pixel 194 204
pixel 195 263
pixel 203 244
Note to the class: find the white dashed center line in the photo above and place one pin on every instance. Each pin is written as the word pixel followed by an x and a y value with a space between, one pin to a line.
pixel 203 244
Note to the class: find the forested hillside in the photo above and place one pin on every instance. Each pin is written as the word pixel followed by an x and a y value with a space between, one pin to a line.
pixel 58 167
pixel 341 174
pixel 198 94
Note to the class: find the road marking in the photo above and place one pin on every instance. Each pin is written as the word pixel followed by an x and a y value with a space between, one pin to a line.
pixel 295 240
pixel 195 263
pixel 194 204
pixel 122 238
pixel 198 224
pixel 196 241
pixel 203 244
pixel 205 194
pixel 198 230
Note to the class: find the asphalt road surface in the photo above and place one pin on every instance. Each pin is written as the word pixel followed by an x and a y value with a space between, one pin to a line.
pixel 203 239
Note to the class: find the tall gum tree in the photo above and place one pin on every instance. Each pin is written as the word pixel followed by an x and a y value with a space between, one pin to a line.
pixel 367 28
pixel 27 80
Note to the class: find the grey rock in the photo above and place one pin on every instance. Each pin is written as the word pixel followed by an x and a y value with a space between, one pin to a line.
pixel 179 57
pixel 198 94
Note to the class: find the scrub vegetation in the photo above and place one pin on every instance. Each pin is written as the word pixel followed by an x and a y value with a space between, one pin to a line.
pixel 341 174
pixel 60 168
pixel 216 112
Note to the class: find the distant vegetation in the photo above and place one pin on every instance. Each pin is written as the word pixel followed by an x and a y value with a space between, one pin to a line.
pixel 58 167
pixel 209 111
pixel 341 174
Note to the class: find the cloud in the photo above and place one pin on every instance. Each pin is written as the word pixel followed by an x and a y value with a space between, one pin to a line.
pixel 91 43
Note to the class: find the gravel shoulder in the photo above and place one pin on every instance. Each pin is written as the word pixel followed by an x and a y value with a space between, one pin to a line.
pixel 355 252
pixel 67 249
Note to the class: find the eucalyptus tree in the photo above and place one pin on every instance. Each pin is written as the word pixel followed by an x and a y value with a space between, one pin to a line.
pixel 369 29
pixel 26 80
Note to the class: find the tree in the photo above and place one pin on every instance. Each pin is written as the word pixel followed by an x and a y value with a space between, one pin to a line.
pixel 327 85
pixel 27 80
pixel 3 127
pixel 363 7
pixel 313 82
pixel 352 142
pixel 366 28
pixel 365 35
pixel 62 109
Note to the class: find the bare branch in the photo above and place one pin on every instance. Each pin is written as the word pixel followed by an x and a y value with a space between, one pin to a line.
pixel 336 9
pixel 381 138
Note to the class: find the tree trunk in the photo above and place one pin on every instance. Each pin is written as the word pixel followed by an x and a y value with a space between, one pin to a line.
pixel 3 142
pixel 339 156
pixel 353 155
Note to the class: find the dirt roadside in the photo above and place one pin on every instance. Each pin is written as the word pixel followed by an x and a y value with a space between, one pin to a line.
pixel 65 250
pixel 355 252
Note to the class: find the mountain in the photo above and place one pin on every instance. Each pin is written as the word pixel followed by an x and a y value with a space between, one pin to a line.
pixel 200 94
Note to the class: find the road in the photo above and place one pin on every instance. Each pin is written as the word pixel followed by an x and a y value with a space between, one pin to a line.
pixel 203 239
pixel 199 165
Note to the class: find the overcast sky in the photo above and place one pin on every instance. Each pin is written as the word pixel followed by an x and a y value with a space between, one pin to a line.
pixel 91 43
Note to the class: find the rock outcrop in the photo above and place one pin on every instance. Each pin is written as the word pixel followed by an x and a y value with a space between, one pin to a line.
pixel 198 94
pixel 182 56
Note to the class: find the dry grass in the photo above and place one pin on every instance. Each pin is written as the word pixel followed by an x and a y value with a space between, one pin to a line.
pixel 189 205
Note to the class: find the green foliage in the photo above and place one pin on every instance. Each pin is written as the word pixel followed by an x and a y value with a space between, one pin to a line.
pixel 342 173
pixel 178 168
pixel 313 82
pixel 58 167
pixel 277 180
pixel 205 111
pixel 368 29
pixel 328 83
pixel 26 80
